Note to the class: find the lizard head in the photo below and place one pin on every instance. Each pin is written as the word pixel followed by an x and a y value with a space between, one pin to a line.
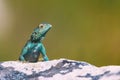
pixel 40 32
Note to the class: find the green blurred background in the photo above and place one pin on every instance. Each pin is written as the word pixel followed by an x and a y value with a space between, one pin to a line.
pixel 84 30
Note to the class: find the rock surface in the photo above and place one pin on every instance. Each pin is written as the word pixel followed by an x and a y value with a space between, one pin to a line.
pixel 62 69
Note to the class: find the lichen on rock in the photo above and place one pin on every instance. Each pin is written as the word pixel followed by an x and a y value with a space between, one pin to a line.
pixel 61 69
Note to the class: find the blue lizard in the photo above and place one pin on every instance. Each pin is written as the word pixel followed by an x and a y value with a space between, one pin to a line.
pixel 32 49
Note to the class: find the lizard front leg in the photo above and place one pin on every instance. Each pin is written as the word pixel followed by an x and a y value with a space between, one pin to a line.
pixel 43 52
pixel 23 52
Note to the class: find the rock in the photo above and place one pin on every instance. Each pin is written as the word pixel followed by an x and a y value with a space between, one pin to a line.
pixel 62 69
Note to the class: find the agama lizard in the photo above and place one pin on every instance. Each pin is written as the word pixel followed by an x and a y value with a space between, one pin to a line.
pixel 32 49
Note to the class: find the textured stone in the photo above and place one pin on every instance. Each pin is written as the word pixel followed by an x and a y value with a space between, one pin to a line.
pixel 62 69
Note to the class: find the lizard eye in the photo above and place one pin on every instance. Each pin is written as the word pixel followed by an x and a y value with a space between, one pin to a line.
pixel 41 26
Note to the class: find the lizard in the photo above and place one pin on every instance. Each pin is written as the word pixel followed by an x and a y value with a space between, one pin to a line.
pixel 34 46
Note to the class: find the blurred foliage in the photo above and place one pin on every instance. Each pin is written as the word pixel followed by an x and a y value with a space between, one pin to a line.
pixel 87 30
